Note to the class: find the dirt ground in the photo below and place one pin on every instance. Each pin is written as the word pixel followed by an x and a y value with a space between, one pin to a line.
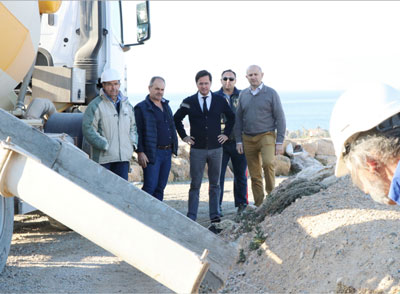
pixel 335 241
pixel 43 259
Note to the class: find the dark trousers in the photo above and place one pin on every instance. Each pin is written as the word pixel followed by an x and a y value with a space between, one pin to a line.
pixel 155 175
pixel 239 164
pixel 198 160
pixel 120 168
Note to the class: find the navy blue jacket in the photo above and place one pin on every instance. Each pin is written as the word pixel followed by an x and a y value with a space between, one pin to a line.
pixel 233 102
pixel 205 130
pixel 147 128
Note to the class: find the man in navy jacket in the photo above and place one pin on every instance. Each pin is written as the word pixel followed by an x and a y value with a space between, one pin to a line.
pixel 204 110
pixel 157 138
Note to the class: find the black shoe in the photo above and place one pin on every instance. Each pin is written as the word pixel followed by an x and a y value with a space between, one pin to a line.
pixel 214 229
pixel 241 208
pixel 216 220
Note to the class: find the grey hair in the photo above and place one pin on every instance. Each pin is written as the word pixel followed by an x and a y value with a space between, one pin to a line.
pixel 153 79
pixel 373 146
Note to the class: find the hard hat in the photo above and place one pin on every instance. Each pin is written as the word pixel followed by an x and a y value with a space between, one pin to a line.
pixel 109 75
pixel 359 109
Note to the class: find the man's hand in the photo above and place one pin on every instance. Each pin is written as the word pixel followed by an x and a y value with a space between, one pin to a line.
pixel 278 149
pixel 239 148
pixel 222 138
pixel 189 140
pixel 142 159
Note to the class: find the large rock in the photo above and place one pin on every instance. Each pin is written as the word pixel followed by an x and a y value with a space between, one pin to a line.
pixel 311 147
pixel 315 173
pixel 180 168
pixel 325 147
pixel 282 165
pixel 136 174
pixel 184 151
pixel 326 159
pixel 303 160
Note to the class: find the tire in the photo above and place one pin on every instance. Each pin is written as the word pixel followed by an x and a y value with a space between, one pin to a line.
pixel 6 228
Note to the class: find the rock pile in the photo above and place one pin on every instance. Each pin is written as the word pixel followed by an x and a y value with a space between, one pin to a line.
pixel 314 150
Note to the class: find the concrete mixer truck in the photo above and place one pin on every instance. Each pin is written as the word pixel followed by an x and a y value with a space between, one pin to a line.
pixel 51 56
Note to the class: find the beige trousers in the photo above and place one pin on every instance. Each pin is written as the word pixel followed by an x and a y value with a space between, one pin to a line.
pixel 260 151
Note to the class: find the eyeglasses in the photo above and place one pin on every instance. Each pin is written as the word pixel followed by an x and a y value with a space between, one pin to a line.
pixel 231 79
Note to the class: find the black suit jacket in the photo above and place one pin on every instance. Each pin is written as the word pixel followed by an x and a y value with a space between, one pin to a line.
pixel 204 129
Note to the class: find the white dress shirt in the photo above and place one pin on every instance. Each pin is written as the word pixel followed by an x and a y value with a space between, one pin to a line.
pixel 208 100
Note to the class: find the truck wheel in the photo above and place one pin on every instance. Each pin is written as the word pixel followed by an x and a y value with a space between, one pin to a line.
pixel 6 228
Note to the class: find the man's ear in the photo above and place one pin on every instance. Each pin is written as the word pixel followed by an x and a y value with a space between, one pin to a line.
pixel 372 164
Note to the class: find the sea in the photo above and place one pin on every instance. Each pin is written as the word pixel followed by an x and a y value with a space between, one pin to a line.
pixel 303 110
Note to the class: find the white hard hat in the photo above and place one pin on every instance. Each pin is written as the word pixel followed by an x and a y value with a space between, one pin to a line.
pixel 109 75
pixel 360 109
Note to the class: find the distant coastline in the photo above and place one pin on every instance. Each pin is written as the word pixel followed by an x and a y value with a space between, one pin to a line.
pixel 303 109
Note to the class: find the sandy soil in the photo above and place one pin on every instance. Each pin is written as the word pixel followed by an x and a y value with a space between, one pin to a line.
pixel 337 240
pixel 43 259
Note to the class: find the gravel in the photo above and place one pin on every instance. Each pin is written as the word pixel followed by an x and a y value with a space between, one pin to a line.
pixel 337 240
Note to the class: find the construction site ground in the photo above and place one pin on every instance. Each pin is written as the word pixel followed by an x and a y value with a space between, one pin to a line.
pixel 44 259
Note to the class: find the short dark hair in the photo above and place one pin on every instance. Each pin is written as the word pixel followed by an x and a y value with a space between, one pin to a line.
pixel 201 74
pixel 228 70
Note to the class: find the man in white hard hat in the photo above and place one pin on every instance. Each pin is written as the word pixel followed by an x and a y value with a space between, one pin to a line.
pixel 109 126
pixel 365 130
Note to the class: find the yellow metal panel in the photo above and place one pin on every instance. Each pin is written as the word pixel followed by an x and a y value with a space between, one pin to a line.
pixel 20 65
pixel 49 6
pixel 15 39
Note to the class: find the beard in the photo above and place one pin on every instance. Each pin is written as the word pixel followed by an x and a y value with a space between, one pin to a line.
pixel 377 188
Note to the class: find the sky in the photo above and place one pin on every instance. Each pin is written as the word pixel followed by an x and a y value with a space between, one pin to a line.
pixel 300 45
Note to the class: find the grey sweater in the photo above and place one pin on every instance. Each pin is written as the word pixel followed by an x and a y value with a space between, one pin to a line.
pixel 260 113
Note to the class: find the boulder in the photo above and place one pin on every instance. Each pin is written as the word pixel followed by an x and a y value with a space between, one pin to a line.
pixel 329 181
pixel 325 147
pixel 301 161
pixel 326 159
pixel 282 165
pixel 171 177
pixel 180 169
pixel 136 174
pixel 184 150
pixel 315 173
pixel 311 147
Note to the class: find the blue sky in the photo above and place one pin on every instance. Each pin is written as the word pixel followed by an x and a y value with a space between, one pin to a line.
pixel 301 45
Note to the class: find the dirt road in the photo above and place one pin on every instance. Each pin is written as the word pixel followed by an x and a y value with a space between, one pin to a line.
pixel 45 260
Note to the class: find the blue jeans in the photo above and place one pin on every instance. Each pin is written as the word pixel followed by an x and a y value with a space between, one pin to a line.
pixel 155 175
pixel 239 164
pixel 198 160
pixel 120 168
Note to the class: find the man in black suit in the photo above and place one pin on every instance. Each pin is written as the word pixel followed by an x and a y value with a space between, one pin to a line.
pixel 204 110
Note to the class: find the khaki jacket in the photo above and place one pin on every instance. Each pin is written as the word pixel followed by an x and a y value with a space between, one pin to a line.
pixel 112 137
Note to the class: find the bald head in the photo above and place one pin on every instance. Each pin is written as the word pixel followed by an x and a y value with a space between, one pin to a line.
pixel 254 75
pixel 254 67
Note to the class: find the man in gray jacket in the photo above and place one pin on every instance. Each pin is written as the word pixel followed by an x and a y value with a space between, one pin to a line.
pixel 109 126
pixel 259 131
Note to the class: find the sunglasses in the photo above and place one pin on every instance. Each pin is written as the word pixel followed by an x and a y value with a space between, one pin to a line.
pixel 231 79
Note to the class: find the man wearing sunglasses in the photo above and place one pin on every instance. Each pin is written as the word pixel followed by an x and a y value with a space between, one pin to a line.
pixel 260 127
pixel 239 164
pixel 365 131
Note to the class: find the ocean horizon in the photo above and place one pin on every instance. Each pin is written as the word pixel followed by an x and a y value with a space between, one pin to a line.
pixel 303 109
